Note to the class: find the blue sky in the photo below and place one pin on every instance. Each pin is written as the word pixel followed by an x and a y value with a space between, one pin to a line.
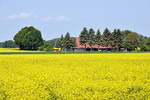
pixel 56 17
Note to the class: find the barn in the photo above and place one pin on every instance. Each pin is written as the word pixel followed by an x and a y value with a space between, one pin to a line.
pixel 79 47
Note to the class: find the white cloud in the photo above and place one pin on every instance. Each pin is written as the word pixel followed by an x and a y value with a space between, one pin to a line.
pixel 59 18
pixel 47 19
pixel 20 15
pixel 62 18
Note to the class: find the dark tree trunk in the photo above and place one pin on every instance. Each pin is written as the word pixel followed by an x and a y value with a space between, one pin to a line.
pixel 107 48
pixel 91 47
pixel 85 48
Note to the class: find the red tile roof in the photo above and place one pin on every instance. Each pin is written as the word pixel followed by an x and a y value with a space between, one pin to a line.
pixel 77 41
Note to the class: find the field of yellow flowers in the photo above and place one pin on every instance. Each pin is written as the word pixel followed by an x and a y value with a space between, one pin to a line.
pixel 14 50
pixel 75 76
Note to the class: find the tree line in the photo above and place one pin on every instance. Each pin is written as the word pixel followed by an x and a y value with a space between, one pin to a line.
pixel 29 38
pixel 8 44
pixel 120 39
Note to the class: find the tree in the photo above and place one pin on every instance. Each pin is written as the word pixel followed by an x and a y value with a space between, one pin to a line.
pixel 83 37
pixel 143 48
pixel 91 38
pixel 98 38
pixel 9 44
pixel 62 42
pixel 125 33
pixel 68 42
pixel 146 45
pixel 132 41
pixel 106 38
pixel 28 38
pixel 125 37
pixel 1 44
pixel 57 44
pixel 117 38
pixel 148 42
pixel 141 40
pixel 48 47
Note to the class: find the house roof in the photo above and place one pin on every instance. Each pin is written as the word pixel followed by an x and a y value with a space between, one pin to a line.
pixel 77 41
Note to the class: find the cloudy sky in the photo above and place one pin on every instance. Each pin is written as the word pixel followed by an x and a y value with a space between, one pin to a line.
pixel 56 17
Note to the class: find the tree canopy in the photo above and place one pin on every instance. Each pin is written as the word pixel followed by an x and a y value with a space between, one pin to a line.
pixel 68 42
pixel 98 38
pixel 28 38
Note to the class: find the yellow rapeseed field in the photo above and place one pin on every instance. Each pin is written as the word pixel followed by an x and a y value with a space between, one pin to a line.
pixel 117 76
pixel 15 50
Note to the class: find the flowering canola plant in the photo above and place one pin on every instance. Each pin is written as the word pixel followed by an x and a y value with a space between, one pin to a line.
pixel 15 50
pixel 75 76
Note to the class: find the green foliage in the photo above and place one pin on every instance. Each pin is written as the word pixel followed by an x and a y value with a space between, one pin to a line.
pixel 148 42
pixel 126 32
pixel 48 47
pixel 143 48
pixel 146 45
pixel 91 37
pixel 52 42
pixel 1 44
pixel 117 38
pixel 28 38
pixel 98 38
pixel 132 41
pixel 83 37
pixel 141 40
pixel 41 48
pixel 57 43
pixel 9 44
pixel 107 38
pixel 68 41
pixel 62 42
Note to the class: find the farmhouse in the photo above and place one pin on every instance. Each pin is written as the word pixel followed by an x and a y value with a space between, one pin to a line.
pixel 79 47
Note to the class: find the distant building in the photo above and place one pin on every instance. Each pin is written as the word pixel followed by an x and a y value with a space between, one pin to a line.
pixel 79 47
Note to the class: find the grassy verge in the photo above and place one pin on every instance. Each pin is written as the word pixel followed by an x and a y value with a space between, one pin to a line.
pixel 10 53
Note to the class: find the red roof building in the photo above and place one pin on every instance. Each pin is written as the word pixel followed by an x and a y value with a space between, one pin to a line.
pixel 88 47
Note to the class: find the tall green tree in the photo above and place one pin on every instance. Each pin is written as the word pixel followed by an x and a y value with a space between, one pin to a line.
pixel 141 40
pixel 68 42
pixel 146 45
pixel 91 38
pixel 28 38
pixel 83 37
pixel 106 38
pixel 132 41
pixel 98 38
pixel 62 42
pixel 125 37
pixel 117 38
pixel 57 44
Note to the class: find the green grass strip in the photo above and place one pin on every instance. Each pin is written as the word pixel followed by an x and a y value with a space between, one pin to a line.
pixel 11 53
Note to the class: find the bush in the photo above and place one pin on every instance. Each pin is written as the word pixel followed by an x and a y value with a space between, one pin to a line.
pixel 41 48
pixel 46 47
pixel 143 48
